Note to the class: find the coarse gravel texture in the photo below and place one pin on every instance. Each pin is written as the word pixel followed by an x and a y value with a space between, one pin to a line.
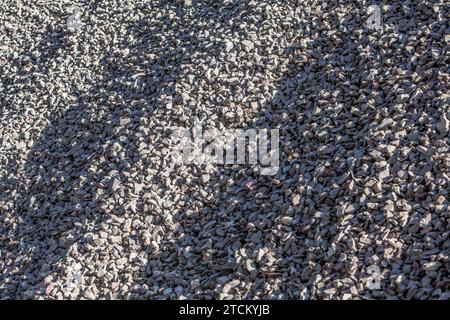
pixel 91 206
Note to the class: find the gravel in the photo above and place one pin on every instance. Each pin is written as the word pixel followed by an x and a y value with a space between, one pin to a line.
pixel 91 206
